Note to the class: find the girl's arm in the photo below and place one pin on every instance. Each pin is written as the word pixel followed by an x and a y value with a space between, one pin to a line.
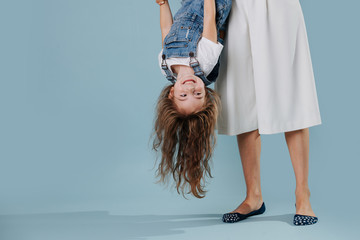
pixel 166 19
pixel 210 31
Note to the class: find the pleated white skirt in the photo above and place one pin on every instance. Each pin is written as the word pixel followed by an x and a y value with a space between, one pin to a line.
pixel 266 79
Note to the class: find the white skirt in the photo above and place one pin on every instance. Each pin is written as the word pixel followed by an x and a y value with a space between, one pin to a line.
pixel 266 79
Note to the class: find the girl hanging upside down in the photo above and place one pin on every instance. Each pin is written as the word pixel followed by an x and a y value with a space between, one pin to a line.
pixel 187 109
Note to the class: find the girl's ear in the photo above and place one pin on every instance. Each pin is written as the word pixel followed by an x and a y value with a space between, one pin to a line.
pixel 171 93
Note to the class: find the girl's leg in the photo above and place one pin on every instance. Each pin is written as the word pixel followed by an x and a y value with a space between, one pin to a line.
pixel 250 147
pixel 298 144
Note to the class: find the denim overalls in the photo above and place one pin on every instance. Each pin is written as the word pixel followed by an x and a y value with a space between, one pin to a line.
pixel 185 33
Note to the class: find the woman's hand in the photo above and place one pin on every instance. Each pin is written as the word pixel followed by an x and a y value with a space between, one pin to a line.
pixel 161 2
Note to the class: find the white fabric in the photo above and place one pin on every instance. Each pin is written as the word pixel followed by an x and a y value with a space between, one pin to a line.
pixel 266 79
pixel 207 53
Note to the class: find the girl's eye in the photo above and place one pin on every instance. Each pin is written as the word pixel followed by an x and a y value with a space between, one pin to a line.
pixel 183 95
pixel 198 93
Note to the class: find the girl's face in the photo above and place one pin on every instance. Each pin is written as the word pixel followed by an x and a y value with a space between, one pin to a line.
pixel 188 94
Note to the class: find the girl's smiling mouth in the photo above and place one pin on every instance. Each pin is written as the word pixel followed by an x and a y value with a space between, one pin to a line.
pixel 189 80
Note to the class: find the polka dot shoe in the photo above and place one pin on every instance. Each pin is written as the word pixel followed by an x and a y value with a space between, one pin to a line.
pixel 236 217
pixel 301 220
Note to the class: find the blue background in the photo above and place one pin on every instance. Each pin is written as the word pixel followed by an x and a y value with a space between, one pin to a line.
pixel 78 87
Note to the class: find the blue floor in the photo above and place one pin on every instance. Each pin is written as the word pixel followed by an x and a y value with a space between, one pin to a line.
pixel 275 223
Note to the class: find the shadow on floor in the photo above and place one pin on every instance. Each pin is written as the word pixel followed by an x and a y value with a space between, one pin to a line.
pixel 286 218
pixel 101 225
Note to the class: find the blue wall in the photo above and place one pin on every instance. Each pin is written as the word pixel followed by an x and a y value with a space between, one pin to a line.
pixel 78 86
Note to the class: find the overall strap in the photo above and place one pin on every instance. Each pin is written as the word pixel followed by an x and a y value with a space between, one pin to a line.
pixel 197 70
pixel 169 74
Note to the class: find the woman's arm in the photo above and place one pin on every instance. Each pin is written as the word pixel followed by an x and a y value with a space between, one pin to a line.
pixel 210 31
pixel 166 19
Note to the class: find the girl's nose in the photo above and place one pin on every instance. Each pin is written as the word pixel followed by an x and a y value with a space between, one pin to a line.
pixel 190 86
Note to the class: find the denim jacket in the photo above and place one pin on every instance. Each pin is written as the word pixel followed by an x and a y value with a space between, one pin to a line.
pixel 185 33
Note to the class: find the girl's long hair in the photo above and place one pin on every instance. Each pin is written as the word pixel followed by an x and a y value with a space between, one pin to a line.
pixel 186 142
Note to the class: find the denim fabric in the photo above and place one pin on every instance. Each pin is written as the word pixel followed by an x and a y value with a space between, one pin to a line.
pixel 185 33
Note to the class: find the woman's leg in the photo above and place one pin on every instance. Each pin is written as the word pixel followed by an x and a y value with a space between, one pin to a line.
pixel 298 144
pixel 250 147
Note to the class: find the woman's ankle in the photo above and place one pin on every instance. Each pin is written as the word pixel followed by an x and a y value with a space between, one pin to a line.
pixel 254 197
pixel 302 192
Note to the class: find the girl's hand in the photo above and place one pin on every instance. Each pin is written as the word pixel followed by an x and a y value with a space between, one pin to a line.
pixel 161 2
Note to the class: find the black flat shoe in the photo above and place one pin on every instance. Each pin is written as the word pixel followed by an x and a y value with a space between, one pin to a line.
pixel 302 220
pixel 236 217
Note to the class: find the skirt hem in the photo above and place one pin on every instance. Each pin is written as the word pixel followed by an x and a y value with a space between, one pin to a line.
pixel 288 128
